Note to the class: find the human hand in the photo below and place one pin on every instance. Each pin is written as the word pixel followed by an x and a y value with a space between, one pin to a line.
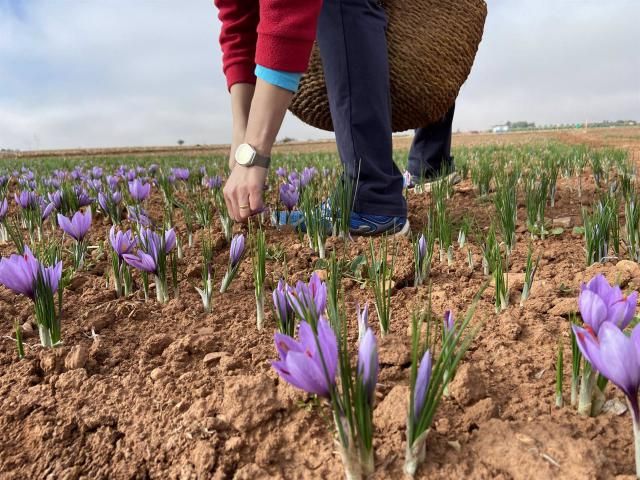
pixel 243 191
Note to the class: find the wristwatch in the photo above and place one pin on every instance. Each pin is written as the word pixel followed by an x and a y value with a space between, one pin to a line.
pixel 247 156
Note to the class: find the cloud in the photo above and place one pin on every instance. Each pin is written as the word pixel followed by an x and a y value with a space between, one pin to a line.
pixel 96 73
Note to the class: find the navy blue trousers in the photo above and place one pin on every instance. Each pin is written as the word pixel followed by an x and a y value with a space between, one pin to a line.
pixel 353 47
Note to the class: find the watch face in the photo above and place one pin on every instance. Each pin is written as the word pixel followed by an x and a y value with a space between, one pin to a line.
pixel 245 154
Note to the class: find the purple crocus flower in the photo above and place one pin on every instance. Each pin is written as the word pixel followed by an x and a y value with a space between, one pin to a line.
pixel 122 242
pixel 368 364
pixel 102 201
pixel 281 172
pixel 96 172
pixel 147 261
pixel 152 242
pixel 113 181
pixel 616 356
pixel 422 247
pixel 294 178
pixel 363 320
pixel 289 195
pixel 107 199
pixel 20 273
pixel 307 175
pixel 406 179
pixel 153 168
pixel 4 208
pixel 47 210
pixel 237 250
pixel 139 190
pixel 300 362
pixel 600 302
pixel 95 184
pixel 214 182
pixel 141 261
pixel 26 199
pixel 76 173
pixel 55 198
pixel 449 322
pixel 140 216
pixel 76 227
pixel 281 303
pixel 309 299
pixel 131 175
pixel 81 195
pixel 180 173
pixel 422 384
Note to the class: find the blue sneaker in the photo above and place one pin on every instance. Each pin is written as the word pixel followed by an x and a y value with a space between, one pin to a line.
pixel 360 224
pixel 368 225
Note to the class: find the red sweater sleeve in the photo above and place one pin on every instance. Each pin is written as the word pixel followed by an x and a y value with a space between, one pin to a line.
pixel 276 34
pixel 286 33
pixel 238 39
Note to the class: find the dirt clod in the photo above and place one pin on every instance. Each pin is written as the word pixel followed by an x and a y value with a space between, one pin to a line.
pixel 468 385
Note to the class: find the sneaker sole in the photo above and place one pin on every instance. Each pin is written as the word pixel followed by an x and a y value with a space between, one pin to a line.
pixel 403 232
pixel 453 177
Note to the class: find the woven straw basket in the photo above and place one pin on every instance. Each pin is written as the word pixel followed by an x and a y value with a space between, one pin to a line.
pixel 432 46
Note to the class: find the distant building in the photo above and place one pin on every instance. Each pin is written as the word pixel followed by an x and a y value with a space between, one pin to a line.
pixel 500 129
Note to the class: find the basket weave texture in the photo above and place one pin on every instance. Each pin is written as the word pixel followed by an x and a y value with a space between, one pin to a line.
pixel 432 45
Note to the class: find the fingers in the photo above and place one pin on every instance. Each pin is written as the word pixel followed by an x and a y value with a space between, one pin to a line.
pixel 242 202
pixel 243 193
pixel 255 200
pixel 229 199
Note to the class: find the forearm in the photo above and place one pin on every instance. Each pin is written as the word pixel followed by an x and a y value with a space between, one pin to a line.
pixel 268 108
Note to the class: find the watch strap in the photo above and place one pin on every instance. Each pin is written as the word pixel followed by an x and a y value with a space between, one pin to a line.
pixel 261 161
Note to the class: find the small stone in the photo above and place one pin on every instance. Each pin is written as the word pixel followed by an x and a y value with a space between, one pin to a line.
pixel 564 222
pixel 455 445
pixel 211 359
pixel 157 373
pixel 443 426
pixel 77 357
pixel 614 407
pixel 468 385
pixel 27 330
pixel 525 439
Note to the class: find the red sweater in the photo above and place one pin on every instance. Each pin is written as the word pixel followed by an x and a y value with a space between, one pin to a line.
pixel 276 34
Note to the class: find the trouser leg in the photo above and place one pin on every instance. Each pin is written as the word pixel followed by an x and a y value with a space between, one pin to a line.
pixel 353 47
pixel 430 152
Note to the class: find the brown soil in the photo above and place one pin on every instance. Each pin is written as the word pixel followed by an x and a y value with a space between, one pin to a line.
pixel 171 392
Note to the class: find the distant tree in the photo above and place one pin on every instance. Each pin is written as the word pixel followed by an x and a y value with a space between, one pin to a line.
pixel 180 142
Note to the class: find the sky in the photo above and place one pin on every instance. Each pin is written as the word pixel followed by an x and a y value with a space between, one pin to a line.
pixel 96 73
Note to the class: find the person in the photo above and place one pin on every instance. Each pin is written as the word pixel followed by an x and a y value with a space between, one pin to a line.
pixel 266 47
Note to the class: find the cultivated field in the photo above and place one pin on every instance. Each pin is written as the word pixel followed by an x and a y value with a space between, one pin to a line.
pixel 144 383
